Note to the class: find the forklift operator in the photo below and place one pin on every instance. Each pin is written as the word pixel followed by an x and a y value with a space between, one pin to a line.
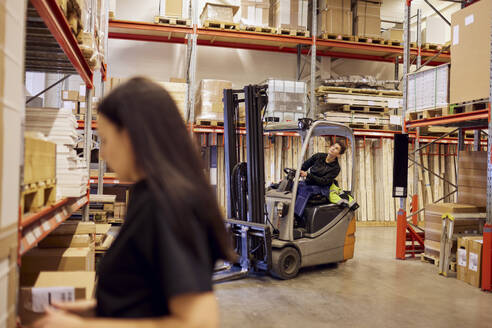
pixel 320 172
pixel 322 168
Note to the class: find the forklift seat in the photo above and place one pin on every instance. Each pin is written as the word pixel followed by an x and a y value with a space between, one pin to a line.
pixel 316 217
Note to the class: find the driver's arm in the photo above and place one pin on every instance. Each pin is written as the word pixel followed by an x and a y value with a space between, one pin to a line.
pixel 310 162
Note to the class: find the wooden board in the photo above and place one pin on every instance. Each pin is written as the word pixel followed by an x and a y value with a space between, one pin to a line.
pixel 221 25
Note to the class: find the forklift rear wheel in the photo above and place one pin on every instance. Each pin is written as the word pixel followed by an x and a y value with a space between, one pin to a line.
pixel 285 263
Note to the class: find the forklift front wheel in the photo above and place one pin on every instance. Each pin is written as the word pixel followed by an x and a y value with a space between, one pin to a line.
pixel 285 263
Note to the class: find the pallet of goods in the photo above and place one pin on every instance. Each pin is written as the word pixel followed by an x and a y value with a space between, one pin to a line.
pixel 290 17
pixel 469 260
pixel 428 93
pixel 335 20
pixel 367 21
pixel 255 17
pixel 219 16
pixel 209 108
pixel 287 100
pixel 60 127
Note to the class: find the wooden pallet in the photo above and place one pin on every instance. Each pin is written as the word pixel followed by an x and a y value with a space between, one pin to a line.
pixel 371 92
pixel 367 126
pixel 364 109
pixel 427 113
pixel 334 36
pixel 258 29
pixel 368 39
pixel 115 221
pixel 468 107
pixel 221 25
pixel 290 32
pixel 35 196
pixel 433 260
pixel 172 21
pixel 209 123
pixel 432 46
pixel 397 43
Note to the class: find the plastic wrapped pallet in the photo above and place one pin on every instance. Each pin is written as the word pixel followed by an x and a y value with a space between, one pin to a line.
pixel 286 100
pixel 255 13
pixel 290 14
pixel 178 92
pixel 209 105
pixel 429 89
pixel 218 13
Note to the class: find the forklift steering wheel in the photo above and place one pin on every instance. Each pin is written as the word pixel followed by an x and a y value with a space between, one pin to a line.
pixel 289 171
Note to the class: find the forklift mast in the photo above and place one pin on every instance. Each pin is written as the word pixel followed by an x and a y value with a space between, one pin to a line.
pixel 245 182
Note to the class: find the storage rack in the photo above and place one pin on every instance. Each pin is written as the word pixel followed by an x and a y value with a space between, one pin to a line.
pixel 477 121
pixel 51 47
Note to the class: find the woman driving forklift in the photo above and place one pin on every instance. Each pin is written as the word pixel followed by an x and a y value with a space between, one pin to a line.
pixel 320 172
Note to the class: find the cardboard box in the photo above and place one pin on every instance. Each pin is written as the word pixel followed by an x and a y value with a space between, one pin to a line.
pixel 474 273
pixel 290 14
pixel 218 13
pixel 59 286
pixel 75 228
pixel 171 8
pixel 470 46
pixel 39 160
pixel 369 26
pixel 66 241
pixel 436 31
pixel 335 21
pixel 177 91
pixel 462 258
pixel 70 95
pixel 366 8
pixel 8 279
pixel 55 259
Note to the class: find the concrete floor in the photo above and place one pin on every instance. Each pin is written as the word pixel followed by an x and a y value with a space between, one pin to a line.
pixel 371 290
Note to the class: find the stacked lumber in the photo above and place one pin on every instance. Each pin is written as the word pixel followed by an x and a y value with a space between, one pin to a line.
pixel 59 126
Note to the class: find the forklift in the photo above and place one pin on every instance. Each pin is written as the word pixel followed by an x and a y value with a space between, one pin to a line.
pixel 265 233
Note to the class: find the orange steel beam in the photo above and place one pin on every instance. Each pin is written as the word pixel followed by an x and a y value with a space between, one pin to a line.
pixel 449 119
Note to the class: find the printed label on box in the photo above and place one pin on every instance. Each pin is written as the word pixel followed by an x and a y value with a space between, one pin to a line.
pixel 396 120
pixel 473 262
pixel 456 35
pixel 43 297
pixel 469 19
pixel 462 257
pixel 393 103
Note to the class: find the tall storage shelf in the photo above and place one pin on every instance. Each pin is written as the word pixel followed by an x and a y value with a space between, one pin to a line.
pixel 475 116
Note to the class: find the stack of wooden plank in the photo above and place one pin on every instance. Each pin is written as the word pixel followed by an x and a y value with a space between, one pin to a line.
pixel 433 224
pixel 59 126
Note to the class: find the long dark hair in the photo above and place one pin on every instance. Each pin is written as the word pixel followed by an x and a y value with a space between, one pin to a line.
pixel 166 154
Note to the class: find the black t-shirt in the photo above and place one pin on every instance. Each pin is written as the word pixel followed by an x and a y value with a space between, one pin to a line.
pixel 321 173
pixel 147 264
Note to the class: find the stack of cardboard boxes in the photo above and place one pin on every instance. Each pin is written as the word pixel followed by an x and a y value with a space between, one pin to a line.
pixel 255 13
pixel 178 91
pixel 218 13
pixel 367 18
pixel 433 224
pixel 472 178
pixel 469 260
pixel 289 14
pixel 62 266
pixel 335 17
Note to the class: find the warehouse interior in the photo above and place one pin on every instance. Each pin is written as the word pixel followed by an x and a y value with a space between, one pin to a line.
pixel 393 93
